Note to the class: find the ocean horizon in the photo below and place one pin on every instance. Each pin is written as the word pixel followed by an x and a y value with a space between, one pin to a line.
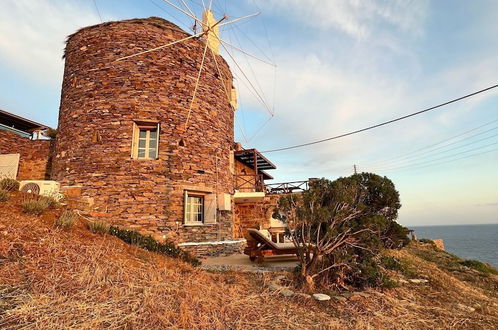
pixel 479 242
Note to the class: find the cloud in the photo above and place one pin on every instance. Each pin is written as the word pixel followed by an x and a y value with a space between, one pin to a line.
pixel 32 35
pixel 488 204
pixel 356 18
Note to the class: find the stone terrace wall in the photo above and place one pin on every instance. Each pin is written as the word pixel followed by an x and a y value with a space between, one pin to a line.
pixel 216 249
pixel 35 155
pixel 254 215
pixel 101 99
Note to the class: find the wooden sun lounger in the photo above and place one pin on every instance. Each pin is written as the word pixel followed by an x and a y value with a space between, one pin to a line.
pixel 259 246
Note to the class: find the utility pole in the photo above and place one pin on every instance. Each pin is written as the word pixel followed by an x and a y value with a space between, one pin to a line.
pixel 354 168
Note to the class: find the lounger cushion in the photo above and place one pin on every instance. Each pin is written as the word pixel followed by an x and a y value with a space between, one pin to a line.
pixel 260 237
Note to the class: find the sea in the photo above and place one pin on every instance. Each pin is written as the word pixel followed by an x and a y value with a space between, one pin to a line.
pixel 479 242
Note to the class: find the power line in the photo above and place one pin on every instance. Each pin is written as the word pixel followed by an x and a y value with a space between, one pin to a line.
pixel 431 146
pixel 383 123
pixel 447 161
pixel 444 151
pixel 427 153
pixel 444 159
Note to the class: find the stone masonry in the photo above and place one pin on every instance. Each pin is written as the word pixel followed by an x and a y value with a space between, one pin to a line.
pixel 254 214
pixel 102 99
pixel 34 160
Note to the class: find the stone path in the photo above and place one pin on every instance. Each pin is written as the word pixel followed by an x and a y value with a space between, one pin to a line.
pixel 241 262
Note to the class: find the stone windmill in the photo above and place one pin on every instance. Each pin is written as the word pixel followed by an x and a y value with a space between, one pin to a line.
pixel 207 28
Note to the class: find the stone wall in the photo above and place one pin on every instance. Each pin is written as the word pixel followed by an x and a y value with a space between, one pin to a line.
pixel 216 248
pixel 34 161
pixel 254 215
pixel 101 100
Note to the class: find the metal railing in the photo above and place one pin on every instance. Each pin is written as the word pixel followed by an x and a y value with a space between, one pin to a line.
pixel 255 183
pixel 287 187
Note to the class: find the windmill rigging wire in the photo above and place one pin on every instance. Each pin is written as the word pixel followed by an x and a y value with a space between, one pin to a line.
pixel 258 85
pixel 98 12
pixel 245 76
pixel 168 13
pixel 382 123
pixel 252 70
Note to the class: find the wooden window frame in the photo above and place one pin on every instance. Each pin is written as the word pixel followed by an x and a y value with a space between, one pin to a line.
pixel 209 208
pixel 190 210
pixel 148 127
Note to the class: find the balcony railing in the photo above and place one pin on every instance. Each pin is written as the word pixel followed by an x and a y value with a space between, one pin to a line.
pixel 249 183
pixel 287 187
pixel 255 183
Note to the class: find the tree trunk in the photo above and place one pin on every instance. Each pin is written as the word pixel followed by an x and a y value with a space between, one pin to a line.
pixel 310 282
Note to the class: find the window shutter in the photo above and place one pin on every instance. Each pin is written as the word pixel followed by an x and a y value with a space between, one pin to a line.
pixel 185 198
pixel 210 209
pixel 134 142
pixel 157 140
pixel 9 164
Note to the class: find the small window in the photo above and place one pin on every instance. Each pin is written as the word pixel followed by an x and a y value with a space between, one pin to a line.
pixel 200 208
pixel 194 209
pixel 145 141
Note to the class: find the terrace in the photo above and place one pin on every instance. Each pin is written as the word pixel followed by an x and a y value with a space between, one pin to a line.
pixel 251 174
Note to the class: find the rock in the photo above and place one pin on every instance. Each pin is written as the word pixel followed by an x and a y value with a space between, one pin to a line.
pixel 466 308
pixel 287 293
pixel 402 281
pixel 418 280
pixel 273 286
pixel 346 294
pixel 339 298
pixel 321 297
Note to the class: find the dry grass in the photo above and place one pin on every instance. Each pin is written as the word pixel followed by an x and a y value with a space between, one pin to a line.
pixel 52 279
pixel 98 227
pixel 4 195
pixel 66 220
pixel 9 184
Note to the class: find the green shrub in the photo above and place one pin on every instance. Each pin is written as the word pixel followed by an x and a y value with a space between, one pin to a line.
pixel 51 201
pixel 147 242
pixel 67 220
pixel 9 184
pixel 340 228
pixel 50 133
pixel 35 206
pixel 98 227
pixel 4 195
pixel 479 266
pixel 392 263
pixel 388 283
pixel 369 274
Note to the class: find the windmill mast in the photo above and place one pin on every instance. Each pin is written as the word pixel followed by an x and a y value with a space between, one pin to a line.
pixel 212 31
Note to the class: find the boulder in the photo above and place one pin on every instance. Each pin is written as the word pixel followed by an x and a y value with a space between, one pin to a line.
pixel 321 297
pixel 287 293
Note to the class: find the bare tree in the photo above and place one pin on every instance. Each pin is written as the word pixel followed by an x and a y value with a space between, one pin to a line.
pixel 319 224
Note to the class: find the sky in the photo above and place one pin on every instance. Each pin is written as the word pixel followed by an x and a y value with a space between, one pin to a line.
pixel 340 66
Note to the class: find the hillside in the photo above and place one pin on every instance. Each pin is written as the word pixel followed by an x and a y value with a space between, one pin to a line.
pixel 51 278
